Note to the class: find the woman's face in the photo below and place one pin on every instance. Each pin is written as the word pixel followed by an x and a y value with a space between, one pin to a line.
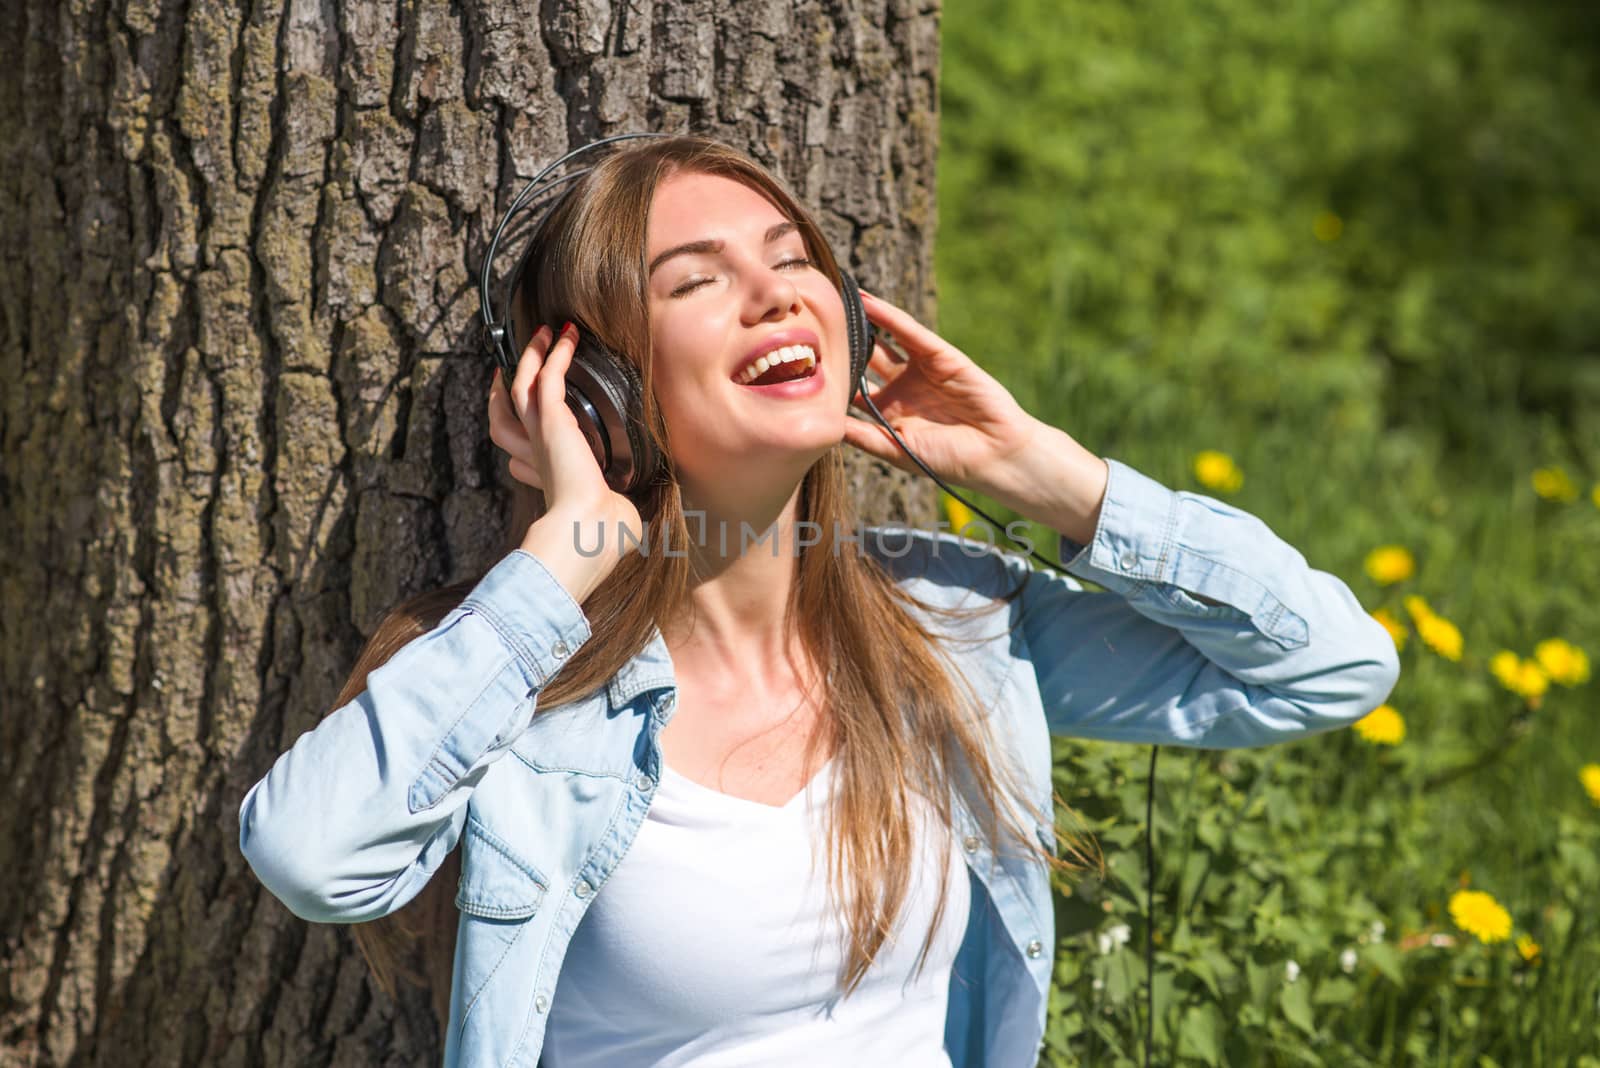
pixel 730 281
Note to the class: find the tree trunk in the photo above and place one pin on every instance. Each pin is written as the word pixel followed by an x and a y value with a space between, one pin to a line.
pixel 243 415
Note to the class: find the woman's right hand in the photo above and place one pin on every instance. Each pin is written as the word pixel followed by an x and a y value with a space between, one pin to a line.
pixel 548 451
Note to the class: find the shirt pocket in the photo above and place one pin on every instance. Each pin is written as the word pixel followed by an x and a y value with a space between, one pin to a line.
pixel 498 894
pixel 496 882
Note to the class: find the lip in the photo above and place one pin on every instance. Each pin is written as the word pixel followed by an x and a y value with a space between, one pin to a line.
pixel 777 341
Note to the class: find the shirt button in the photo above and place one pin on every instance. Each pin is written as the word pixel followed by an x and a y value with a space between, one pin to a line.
pixel 583 889
pixel 1034 949
pixel 541 1003
pixel 1129 560
pixel 970 843
pixel 559 650
pixel 646 783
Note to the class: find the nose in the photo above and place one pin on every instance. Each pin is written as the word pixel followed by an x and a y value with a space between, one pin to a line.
pixel 772 295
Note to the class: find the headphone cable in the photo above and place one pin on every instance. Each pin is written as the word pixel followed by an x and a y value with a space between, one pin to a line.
pixel 1149 907
pixel 929 472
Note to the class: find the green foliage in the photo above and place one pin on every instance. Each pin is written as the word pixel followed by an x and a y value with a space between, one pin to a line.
pixel 1351 245
pixel 1314 860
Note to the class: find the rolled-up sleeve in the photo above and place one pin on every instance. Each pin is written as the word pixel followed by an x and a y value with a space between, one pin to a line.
pixel 351 821
pixel 1214 631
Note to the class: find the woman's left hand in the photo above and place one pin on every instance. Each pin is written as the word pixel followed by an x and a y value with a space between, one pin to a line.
pixel 963 423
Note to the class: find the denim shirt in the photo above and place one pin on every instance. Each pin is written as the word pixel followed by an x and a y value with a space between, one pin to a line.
pixel 443 748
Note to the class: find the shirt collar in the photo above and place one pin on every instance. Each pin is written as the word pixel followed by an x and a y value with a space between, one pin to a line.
pixel 649 669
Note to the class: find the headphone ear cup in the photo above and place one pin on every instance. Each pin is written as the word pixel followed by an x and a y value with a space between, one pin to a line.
pixel 858 329
pixel 607 397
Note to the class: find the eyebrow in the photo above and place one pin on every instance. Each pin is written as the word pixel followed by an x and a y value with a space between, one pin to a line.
pixel 773 233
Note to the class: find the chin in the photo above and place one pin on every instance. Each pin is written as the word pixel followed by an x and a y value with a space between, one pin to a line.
pixel 790 453
pixel 814 436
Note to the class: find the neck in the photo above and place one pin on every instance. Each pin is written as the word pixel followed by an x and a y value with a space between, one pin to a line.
pixel 742 552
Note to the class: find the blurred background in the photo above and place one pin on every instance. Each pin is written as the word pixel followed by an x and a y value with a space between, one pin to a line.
pixel 1333 263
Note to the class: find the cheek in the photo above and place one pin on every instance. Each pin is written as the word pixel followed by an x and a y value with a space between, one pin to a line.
pixel 689 338
pixel 671 392
pixel 681 388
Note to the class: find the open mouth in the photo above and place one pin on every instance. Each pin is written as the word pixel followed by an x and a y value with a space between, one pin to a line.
pixel 780 365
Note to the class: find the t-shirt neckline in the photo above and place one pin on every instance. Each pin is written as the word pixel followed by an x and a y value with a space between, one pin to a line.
pixel 818 783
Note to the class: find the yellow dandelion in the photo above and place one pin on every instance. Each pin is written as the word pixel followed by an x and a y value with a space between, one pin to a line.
pixel 1589 776
pixel 1525 678
pixel 1562 661
pixel 1440 635
pixel 1594 494
pixel 1327 226
pixel 1554 484
pixel 1382 726
pixel 1477 913
pixel 958 514
pixel 1417 608
pixel 1217 471
pixel 1392 624
pixel 1532 682
pixel 1506 666
pixel 1436 632
pixel 1528 948
pixel 1388 564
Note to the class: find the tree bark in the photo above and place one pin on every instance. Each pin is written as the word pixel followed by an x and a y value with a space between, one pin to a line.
pixel 243 415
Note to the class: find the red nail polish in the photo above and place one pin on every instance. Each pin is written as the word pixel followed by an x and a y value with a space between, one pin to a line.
pixel 566 326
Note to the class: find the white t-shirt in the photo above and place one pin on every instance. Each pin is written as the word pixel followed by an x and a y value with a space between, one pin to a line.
pixel 713 945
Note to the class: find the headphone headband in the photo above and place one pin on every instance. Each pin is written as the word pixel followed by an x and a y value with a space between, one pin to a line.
pixel 497 339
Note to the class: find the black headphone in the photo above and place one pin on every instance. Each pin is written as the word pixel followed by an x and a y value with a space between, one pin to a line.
pixel 604 392
pixel 603 388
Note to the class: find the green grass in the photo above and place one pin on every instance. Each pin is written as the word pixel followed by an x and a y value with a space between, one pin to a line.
pixel 1351 245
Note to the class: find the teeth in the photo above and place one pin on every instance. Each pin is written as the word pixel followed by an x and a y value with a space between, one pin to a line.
pixel 787 354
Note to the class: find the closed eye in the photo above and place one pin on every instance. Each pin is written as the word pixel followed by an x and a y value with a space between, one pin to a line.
pixel 695 283
pixel 690 286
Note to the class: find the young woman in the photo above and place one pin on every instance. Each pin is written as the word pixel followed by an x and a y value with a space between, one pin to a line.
pixel 754 797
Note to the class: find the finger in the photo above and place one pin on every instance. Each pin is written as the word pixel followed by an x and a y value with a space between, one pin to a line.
pixel 859 398
pixel 884 364
pixel 523 473
pixel 508 433
pixel 882 397
pixel 916 339
pixel 505 429
pixel 872 439
pixel 528 369
pixel 552 383
pixel 500 406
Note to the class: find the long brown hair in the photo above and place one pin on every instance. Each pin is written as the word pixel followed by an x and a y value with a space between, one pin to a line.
pixel 898 714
